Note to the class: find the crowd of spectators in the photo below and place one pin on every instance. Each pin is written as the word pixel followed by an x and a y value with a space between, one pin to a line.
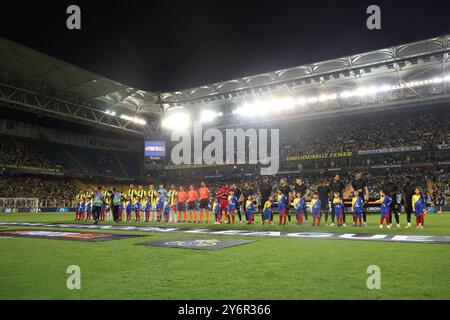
pixel 391 129
pixel 18 152
pixel 50 192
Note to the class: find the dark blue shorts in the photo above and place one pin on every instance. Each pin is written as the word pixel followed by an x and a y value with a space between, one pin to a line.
pixel 181 206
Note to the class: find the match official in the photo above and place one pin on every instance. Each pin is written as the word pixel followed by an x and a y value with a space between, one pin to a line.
pixel 97 203
pixel 116 198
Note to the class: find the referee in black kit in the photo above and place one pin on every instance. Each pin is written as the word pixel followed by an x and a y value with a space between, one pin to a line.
pixel 360 185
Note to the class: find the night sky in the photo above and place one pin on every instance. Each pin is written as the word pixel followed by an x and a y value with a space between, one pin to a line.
pixel 171 45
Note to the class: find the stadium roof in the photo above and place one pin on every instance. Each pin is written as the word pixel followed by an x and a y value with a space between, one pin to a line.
pixel 36 82
pixel 345 68
pixel 35 71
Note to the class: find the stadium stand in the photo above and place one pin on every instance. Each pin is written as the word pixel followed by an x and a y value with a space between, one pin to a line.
pixel 393 129
pixel 28 153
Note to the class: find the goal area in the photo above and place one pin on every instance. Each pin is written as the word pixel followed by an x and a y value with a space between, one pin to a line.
pixel 9 205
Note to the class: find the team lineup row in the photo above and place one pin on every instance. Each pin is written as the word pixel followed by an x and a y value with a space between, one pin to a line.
pixel 173 206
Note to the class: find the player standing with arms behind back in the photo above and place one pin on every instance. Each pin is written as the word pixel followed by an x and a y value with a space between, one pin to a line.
pixel 408 193
pixel 360 184
pixel 172 196
pixel 336 186
pixel 204 199
pixel 192 201
pixel 181 206
pixel 324 193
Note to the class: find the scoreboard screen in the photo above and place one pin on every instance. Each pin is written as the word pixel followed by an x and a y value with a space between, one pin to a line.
pixel 155 150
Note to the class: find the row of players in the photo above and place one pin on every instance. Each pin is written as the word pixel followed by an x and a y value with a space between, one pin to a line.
pixel 166 205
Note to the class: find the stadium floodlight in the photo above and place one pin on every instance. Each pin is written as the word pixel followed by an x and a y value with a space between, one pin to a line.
pixel 261 108
pixel 312 100
pixel 208 116
pixel 327 97
pixel 283 103
pixel 133 119
pixel 346 94
pixel 301 101
pixel 179 120
pixel 385 88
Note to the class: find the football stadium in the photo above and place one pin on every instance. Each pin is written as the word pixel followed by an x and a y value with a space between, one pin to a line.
pixel 328 180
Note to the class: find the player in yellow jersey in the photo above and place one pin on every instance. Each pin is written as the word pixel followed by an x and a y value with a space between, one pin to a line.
pixel 131 193
pixel 152 194
pixel 172 198
pixel 141 193
pixel 89 193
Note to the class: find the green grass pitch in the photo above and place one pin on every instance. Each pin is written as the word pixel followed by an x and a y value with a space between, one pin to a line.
pixel 270 268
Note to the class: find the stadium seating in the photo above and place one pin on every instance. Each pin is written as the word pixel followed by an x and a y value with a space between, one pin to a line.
pixel 29 153
pixel 399 128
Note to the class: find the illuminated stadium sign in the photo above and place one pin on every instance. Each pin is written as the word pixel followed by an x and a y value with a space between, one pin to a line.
pixel 329 155
pixel 155 150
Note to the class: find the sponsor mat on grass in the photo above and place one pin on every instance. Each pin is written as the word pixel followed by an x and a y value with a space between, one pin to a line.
pixel 249 233
pixel 197 244
pixel 64 235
